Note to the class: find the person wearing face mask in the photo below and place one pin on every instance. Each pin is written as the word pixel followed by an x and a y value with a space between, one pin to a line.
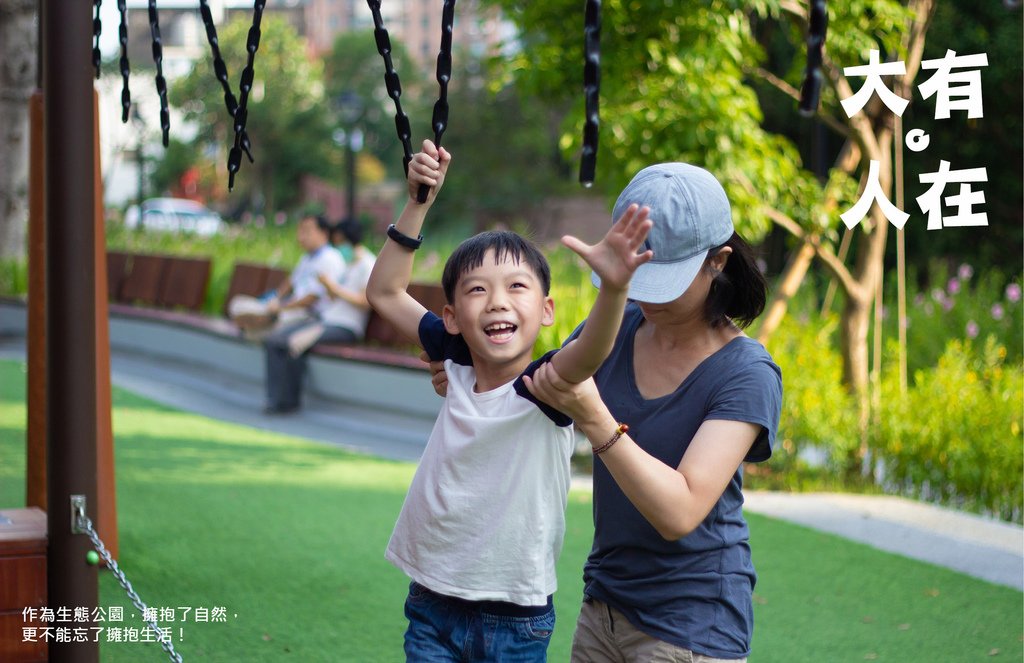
pixel 347 307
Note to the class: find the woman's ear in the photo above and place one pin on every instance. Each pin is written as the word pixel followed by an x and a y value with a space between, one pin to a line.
pixel 719 260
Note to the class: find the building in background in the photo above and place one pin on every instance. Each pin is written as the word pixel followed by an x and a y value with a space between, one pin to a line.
pixel 414 23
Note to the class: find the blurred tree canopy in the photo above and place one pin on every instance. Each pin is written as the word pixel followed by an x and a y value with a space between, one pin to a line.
pixel 678 84
pixel 288 121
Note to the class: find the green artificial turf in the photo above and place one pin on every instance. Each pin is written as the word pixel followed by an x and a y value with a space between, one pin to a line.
pixel 287 537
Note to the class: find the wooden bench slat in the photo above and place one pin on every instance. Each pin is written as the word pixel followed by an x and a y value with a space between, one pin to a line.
pixel 142 284
pixel 184 283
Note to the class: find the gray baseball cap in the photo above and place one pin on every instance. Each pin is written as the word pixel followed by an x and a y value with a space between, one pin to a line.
pixel 691 215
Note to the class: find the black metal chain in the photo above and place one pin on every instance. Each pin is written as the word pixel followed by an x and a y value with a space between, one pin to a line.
pixel 810 91
pixel 161 82
pixel 591 90
pixel 220 69
pixel 122 37
pixel 97 28
pixel 241 113
pixel 394 86
pixel 439 120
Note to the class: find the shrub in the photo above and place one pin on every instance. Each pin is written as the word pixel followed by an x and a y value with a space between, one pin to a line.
pixel 819 417
pixel 955 438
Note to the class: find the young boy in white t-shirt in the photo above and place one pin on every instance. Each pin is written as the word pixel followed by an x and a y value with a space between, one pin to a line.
pixel 483 521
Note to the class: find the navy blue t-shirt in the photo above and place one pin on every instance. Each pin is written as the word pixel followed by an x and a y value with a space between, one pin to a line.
pixel 695 592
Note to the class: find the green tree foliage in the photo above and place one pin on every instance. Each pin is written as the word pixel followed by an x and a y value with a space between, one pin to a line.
pixel 677 85
pixel 992 142
pixel 287 119
pixel 505 163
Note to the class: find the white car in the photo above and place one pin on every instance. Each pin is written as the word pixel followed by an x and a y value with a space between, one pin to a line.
pixel 175 215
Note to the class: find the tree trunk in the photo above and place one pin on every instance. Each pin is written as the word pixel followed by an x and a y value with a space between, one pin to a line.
pixel 18 38
pixel 792 277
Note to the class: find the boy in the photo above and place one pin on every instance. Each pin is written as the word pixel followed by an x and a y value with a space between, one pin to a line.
pixel 483 522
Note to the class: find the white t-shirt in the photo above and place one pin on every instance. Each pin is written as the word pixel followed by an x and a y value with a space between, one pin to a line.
pixel 484 518
pixel 340 313
pixel 325 260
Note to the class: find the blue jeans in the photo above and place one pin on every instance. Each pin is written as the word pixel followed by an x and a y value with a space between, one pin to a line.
pixel 443 628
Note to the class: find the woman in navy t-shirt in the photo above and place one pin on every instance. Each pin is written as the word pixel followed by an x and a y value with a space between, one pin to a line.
pixel 684 399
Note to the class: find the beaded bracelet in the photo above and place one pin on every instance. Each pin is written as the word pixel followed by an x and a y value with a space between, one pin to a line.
pixel 619 431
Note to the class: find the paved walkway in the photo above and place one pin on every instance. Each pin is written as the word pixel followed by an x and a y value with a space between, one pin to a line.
pixel 980 547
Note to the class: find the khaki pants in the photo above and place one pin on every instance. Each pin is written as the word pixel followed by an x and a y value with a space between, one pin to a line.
pixel 604 635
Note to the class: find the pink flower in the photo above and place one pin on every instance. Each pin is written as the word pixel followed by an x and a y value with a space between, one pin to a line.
pixel 965 272
pixel 947 305
pixel 1013 292
pixel 953 286
pixel 997 311
pixel 972 329
pixel 938 295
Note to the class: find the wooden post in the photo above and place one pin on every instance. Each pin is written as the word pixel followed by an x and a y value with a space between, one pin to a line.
pixel 35 339
pixel 70 313
pixel 106 492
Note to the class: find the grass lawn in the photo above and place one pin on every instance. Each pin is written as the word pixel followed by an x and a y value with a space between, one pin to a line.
pixel 287 536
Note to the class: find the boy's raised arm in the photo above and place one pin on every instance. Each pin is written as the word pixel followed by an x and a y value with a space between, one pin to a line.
pixel 614 258
pixel 387 289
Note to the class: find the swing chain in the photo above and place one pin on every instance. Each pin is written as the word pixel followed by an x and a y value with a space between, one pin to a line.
pixel 439 120
pixel 220 69
pixel 245 86
pixel 161 82
pixel 394 86
pixel 82 524
pixel 810 91
pixel 122 37
pixel 97 28
pixel 591 90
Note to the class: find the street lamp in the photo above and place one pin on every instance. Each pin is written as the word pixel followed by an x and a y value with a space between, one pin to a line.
pixel 350 109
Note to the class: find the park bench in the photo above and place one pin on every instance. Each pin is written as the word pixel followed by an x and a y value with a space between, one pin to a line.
pixel 171 289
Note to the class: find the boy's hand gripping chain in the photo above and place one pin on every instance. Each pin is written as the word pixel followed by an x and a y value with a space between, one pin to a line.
pixel 439 120
pixel 591 89
pixel 241 114
pixel 810 91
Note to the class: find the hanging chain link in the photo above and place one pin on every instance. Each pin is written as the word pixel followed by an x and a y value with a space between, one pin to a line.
pixel 394 86
pixel 219 68
pixel 810 91
pixel 122 37
pixel 591 90
pixel 439 119
pixel 97 28
pixel 241 113
pixel 161 83
pixel 85 525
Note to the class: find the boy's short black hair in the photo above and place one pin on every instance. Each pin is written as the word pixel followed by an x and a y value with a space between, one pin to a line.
pixel 470 255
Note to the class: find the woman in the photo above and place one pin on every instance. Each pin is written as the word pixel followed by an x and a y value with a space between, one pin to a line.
pixel 670 576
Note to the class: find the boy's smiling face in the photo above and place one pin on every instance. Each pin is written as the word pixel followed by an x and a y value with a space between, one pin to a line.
pixel 499 308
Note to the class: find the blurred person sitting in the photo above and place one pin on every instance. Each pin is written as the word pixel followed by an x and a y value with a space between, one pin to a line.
pixel 341 317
